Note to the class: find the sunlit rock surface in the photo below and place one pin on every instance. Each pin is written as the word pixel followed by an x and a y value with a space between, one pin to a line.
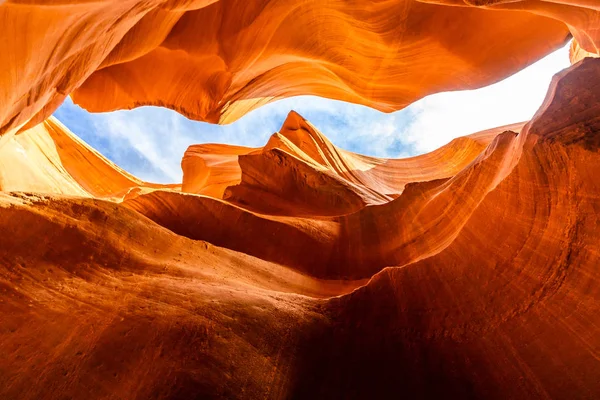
pixel 576 53
pixel 300 270
pixel 50 159
pixel 214 60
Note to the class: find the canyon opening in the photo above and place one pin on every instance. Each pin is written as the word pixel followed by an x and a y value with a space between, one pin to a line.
pixel 315 199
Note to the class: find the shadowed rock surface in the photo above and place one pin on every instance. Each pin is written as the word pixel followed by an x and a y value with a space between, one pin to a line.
pixel 298 270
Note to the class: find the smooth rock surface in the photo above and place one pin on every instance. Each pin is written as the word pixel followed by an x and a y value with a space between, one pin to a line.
pixel 215 60
pixel 468 272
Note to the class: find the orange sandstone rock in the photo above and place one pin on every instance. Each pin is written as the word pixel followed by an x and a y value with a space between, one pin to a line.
pixel 479 283
pixel 210 168
pixel 576 53
pixel 50 159
pixel 298 270
pixel 214 60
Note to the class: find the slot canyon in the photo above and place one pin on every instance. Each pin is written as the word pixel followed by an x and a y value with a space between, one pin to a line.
pixel 298 269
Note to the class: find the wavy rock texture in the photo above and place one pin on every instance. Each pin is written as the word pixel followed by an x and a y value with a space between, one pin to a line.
pixel 214 60
pixel 468 272
pixel 210 168
pixel 50 159
pixel 576 53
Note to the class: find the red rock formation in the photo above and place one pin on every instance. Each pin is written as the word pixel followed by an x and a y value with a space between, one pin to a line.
pixel 291 201
pixel 298 270
pixel 508 309
pixel 215 60
pixel 97 301
pixel 474 269
pixel 313 168
pixel 576 53
pixel 50 159
pixel 210 168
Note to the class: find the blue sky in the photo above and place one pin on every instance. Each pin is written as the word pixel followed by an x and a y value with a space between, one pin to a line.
pixel 149 142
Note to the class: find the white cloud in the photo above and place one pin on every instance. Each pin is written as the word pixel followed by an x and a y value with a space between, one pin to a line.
pixel 445 116
pixel 149 141
pixel 145 134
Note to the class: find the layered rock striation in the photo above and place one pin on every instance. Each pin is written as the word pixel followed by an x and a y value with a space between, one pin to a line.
pixel 215 60
pixel 300 270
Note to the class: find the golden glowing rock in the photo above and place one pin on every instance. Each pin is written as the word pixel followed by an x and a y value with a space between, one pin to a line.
pixel 300 172
pixel 50 159
pixel 210 168
pixel 480 275
pixel 216 60
pixel 298 270
pixel 576 53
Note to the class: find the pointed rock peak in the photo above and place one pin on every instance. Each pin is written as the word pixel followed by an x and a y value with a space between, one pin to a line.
pixel 298 130
pixel 294 121
pixel 278 141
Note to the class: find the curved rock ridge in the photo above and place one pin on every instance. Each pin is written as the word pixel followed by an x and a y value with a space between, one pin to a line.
pixel 500 313
pixel 301 192
pixel 419 223
pixel 511 302
pixel 580 16
pixel 49 158
pixel 82 280
pixel 210 168
pixel 482 283
pixel 576 53
pixel 324 179
pixel 385 54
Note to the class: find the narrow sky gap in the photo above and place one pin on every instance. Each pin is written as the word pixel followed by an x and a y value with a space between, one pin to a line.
pixel 150 141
